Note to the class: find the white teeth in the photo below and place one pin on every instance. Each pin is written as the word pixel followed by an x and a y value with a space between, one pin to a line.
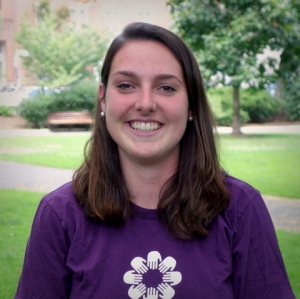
pixel 145 127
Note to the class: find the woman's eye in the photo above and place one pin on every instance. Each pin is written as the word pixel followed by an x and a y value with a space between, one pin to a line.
pixel 124 86
pixel 167 88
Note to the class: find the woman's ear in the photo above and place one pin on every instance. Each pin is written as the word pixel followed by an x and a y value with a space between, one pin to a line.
pixel 101 96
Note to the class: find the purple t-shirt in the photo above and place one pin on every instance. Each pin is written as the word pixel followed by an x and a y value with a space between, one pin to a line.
pixel 69 256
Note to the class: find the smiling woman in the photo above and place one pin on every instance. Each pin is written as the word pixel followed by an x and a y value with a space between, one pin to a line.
pixel 145 90
pixel 150 213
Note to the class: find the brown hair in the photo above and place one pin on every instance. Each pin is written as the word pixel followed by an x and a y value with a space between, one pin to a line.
pixel 197 192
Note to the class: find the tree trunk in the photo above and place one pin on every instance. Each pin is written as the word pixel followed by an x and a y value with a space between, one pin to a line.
pixel 278 96
pixel 236 119
pixel 279 89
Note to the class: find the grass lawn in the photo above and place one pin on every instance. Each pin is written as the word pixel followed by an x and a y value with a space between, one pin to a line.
pixel 54 151
pixel 271 163
pixel 17 209
pixel 289 244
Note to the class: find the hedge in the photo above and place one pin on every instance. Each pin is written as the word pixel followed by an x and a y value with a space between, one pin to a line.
pixel 79 97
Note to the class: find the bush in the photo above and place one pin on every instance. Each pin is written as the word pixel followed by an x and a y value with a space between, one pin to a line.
pixel 291 97
pixel 78 97
pixel 35 110
pixel 259 104
pixel 81 96
pixel 221 102
pixel 256 105
pixel 6 111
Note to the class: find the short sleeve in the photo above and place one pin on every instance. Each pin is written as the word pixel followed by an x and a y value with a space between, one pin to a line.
pixel 45 274
pixel 258 267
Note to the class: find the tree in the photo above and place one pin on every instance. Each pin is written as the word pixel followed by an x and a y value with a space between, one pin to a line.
pixel 58 54
pixel 227 36
pixel 285 38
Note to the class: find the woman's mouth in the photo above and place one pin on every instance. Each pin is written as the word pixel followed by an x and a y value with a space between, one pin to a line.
pixel 145 126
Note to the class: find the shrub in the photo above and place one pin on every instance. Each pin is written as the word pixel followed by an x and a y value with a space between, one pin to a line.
pixel 255 105
pixel 35 110
pixel 6 111
pixel 259 104
pixel 77 97
pixel 221 102
pixel 291 97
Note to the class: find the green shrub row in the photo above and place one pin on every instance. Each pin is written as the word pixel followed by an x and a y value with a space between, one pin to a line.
pixel 256 106
pixel 291 97
pixel 79 97
pixel 6 111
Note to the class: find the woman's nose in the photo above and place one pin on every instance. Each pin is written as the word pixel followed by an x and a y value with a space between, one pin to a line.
pixel 145 101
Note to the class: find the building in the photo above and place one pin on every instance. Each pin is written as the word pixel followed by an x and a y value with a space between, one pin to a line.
pixel 110 16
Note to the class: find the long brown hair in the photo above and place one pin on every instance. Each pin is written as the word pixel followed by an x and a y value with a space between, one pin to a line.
pixel 197 192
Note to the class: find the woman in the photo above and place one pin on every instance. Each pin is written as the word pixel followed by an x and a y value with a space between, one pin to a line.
pixel 150 213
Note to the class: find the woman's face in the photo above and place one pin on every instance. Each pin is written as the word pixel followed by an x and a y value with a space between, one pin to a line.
pixel 145 103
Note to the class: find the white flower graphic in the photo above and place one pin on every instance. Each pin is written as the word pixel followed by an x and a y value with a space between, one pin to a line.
pixel 141 266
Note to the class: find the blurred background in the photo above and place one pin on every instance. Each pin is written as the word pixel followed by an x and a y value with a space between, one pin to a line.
pixel 51 53
pixel 248 52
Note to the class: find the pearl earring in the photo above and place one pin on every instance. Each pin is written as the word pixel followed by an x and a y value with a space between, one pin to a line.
pixel 191 118
pixel 102 114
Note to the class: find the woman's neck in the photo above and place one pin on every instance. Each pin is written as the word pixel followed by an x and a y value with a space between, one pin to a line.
pixel 145 183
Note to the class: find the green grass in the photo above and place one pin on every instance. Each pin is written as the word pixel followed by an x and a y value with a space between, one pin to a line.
pixel 17 209
pixel 271 163
pixel 289 244
pixel 54 151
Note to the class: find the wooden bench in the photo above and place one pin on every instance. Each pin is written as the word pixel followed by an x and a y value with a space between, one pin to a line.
pixel 69 118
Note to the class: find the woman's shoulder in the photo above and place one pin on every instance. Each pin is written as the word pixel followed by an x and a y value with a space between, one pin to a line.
pixel 62 202
pixel 241 192
pixel 245 201
pixel 238 186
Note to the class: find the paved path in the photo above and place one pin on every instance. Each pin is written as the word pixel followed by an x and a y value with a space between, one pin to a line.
pixel 284 212
pixel 259 129
pixel 32 178
pixel 248 129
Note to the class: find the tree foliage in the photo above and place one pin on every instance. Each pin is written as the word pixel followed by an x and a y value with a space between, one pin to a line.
pixel 58 54
pixel 257 105
pixel 78 97
pixel 291 97
pixel 228 35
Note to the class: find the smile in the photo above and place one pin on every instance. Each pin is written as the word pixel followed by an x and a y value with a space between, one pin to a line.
pixel 145 127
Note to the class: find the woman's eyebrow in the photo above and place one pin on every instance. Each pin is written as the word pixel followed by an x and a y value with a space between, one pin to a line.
pixel 135 75
pixel 167 76
pixel 126 73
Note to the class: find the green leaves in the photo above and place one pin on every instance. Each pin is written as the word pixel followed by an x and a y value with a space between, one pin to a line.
pixel 229 34
pixel 77 97
pixel 58 53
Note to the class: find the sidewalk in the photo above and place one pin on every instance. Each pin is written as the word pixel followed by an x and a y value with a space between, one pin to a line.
pixel 248 129
pixel 284 212
pixel 31 177
pixel 264 129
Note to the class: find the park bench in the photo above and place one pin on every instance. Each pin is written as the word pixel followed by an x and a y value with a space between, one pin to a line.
pixel 69 118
